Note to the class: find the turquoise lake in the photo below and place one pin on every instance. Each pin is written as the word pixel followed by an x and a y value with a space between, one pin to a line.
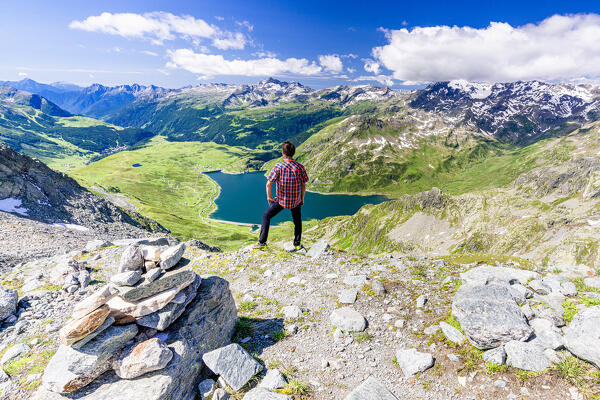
pixel 243 199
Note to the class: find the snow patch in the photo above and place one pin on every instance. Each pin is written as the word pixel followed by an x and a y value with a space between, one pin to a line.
pixel 73 227
pixel 475 90
pixel 13 205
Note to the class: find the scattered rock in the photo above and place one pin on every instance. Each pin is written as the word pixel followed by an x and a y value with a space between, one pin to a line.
pixel 260 393
pixel 291 312
pixel 93 245
pixel 496 356
pixel 487 274
pixel 318 249
pixel 489 316
pixel 273 380
pixel 582 336
pixel 592 282
pixel 15 351
pixel 348 296
pixel 233 363
pixel 171 256
pixel 378 287
pixel 371 389
pixel 127 278
pixel 150 355
pixel 451 333
pixel 421 300
pixel 525 356
pixel 537 285
pixel 355 280
pixel 8 302
pixel 220 394
pixel 348 319
pixel 206 388
pixel 412 362
pixel 547 335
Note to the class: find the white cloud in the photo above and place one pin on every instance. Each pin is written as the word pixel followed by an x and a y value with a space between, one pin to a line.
pixel 382 79
pixel 23 74
pixel 371 66
pixel 331 63
pixel 219 18
pixel 351 70
pixel 558 48
pixel 149 53
pixel 262 54
pixel 117 49
pixel 210 65
pixel 245 24
pixel 228 41
pixel 156 26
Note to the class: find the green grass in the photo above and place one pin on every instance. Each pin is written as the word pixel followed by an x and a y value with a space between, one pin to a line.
pixel 363 337
pixel 296 388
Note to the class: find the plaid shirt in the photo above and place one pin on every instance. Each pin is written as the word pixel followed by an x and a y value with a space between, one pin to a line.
pixel 289 176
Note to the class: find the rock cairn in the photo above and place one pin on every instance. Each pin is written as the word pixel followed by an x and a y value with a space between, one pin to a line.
pixel 149 326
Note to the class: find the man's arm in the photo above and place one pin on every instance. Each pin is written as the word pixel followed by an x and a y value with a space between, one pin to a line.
pixel 303 191
pixel 270 198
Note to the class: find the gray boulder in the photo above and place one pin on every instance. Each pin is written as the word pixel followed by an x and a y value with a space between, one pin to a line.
pixel 488 274
pixel 412 362
pixel 378 287
pixel 273 380
pixel 105 325
pixel 538 286
pixel 348 319
pixel 207 323
pixel 220 394
pixel 141 358
pixel 451 333
pixel 97 244
pixel 582 336
pixel 371 389
pixel 260 393
pixel 8 302
pixel 131 259
pixel 171 256
pixel 127 278
pixel 547 335
pixel 355 280
pixel 318 249
pixel 496 356
pixel 525 356
pixel 71 369
pixel 233 364
pixel 489 316
pixel 206 388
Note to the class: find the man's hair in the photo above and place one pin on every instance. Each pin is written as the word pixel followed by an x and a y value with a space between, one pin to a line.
pixel 289 149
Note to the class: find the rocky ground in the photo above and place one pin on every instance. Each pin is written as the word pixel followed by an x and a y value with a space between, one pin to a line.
pixel 334 321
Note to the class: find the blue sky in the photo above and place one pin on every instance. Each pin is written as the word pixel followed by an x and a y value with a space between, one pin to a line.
pixel 319 43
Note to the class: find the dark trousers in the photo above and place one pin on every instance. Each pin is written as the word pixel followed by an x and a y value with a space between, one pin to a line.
pixel 274 209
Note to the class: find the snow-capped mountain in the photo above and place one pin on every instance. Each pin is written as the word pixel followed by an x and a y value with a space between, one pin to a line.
pixel 516 111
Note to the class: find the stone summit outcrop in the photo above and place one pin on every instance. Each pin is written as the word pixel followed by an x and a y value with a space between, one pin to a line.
pixel 145 340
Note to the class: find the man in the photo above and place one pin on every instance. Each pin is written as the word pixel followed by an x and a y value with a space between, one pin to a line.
pixel 291 179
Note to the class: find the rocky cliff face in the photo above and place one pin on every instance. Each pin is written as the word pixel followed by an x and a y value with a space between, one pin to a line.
pixel 36 200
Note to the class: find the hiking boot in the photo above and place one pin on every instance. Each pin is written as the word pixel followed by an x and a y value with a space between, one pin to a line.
pixel 296 248
pixel 260 246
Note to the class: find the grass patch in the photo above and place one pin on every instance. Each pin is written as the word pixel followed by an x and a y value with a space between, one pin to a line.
pixel 247 306
pixel 492 368
pixel 296 388
pixel 363 337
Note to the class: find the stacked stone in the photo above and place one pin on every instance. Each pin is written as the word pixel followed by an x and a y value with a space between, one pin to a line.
pixel 118 326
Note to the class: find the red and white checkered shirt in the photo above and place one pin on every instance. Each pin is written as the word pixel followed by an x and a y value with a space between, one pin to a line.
pixel 289 176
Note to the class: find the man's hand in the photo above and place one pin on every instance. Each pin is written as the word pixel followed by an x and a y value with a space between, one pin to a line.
pixel 270 199
pixel 302 202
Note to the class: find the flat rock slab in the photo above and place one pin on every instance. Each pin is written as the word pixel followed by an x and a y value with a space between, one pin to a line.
pixel 348 319
pixel 488 274
pixel 451 333
pixel 79 328
pixel 489 316
pixel 146 288
pixel 127 278
pixel 105 325
pixel 8 302
pixel 260 393
pixel 94 301
pixel 233 363
pixel 162 319
pixel 171 256
pixel 525 356
pixel 355 280
pixel 273 379
pixel 371 389
pixel 348 296
pixel 496 356
pixel 122 309
pixel 15 351
pixel 207 323
pixel 71 369
pixel 147 356
pixel 412 362
pixel 582 336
